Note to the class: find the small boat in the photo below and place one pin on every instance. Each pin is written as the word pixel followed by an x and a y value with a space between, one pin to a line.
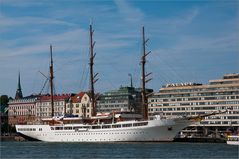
pixel 233 140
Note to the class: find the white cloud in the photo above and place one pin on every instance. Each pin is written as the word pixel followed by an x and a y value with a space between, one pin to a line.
pixel 130 13
pixel 39 43
pixel 27 20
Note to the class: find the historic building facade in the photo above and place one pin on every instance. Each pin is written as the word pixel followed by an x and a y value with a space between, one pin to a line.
pixel 44 108
pixel 22 111
pixel 194 99
pixel 80 104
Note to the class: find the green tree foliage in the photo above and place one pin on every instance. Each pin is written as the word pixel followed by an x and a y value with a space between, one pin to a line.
pixel 5 128
pixel 4 100
pixel 3 103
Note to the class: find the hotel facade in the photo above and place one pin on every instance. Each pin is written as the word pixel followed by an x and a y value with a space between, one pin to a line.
pixel 195 99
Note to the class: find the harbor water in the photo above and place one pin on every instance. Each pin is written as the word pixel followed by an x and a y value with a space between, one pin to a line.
pixel 117 150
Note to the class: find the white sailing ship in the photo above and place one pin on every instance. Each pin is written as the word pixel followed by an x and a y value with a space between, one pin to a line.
pixel 115 127
pixel 157 129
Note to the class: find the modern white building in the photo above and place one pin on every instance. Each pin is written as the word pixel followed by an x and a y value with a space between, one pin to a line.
pixel 194 99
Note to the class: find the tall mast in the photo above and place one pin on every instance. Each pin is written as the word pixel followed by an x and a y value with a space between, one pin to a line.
pixel 143 78
pixel 92 75
pixel 51 83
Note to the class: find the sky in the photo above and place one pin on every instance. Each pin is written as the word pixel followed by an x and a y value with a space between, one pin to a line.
pixel 190 41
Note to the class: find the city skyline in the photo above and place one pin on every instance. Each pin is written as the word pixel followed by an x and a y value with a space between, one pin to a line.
pixel 190 42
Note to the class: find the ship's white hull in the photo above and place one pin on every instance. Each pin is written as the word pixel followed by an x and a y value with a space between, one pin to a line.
pixel 233 142
pixel 155 130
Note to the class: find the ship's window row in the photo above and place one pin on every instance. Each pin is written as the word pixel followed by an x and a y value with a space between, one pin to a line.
pixel 78 128
pixel 26 129
pixel 107 133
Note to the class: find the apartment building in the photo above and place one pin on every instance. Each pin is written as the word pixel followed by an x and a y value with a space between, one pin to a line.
pixel 22 110
pixel 43 105
pixel 80 104
pixel 193 99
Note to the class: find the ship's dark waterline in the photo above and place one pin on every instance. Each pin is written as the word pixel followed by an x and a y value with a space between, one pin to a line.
pixel 117 150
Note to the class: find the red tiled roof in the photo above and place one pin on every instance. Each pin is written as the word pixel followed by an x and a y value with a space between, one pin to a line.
pixel 77 97
pixel 55 97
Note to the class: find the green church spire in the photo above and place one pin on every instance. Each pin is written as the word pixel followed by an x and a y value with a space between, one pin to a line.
pixel 19 89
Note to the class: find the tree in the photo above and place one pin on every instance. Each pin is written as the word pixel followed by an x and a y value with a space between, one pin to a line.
pixel 4 100
pixel 4 118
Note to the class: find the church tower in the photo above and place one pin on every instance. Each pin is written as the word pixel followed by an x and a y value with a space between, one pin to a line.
pixel 19 89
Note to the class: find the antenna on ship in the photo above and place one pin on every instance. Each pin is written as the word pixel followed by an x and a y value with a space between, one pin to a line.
pixel 144 76
pixel 51 83
pixel 93 76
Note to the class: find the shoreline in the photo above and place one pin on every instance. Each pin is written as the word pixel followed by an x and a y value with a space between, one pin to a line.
pixel 12 138
pixel 200 140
